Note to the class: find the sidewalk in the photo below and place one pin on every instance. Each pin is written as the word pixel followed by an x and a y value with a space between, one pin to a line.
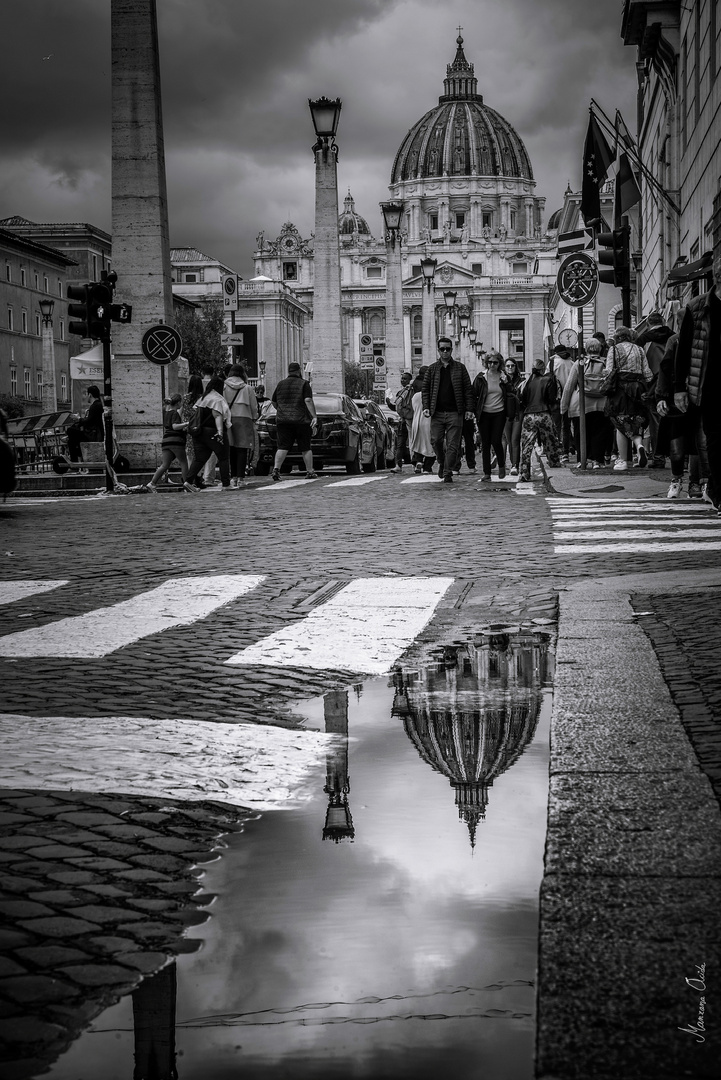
pixel 591 483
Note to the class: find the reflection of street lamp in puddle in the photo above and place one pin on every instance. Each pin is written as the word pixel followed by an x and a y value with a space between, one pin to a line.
pixel 474 741
pixel 338 821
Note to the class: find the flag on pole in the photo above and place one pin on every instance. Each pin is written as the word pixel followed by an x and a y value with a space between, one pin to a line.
pixel 627 190
pixel 623 135
pixel 597 159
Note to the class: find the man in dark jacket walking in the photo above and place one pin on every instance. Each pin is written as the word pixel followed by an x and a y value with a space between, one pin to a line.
pixel 697 374
pixel 653 341
pixel 448 400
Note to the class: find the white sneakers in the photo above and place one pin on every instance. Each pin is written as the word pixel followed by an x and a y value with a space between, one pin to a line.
pixel 675 489
pixel 620 466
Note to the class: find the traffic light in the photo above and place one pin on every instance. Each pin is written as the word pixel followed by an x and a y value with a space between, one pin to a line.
pixel 615 255
pixel 94 311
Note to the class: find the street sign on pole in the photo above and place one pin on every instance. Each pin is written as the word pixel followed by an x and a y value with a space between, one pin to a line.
pixel 367 363
pixel 379 385
pixel 580 240
pixel 230 292
pixel 161 344
pixel 380 364
pixel 577 279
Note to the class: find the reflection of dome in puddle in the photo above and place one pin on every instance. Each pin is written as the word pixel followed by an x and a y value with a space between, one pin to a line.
pixel 472 713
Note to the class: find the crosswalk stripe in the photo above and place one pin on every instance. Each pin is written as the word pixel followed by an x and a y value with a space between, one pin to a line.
pixel 10 591
pixel 664 508
pixel 363 628
pixel 358 481
pixel 569 522
pixel 177 602
pixel 287 485
pixel 636 534
pixel 636 547
pixel 421 478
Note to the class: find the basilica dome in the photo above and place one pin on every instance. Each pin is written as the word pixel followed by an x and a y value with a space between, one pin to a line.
pixel 350 221
pixel 461 136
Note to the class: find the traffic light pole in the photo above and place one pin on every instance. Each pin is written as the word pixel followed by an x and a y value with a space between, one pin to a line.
pixel 108 415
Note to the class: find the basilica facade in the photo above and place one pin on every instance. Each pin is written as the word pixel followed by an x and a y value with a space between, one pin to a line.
pixel 469 197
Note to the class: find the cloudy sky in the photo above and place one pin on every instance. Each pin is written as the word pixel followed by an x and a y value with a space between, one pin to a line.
pixel 236 78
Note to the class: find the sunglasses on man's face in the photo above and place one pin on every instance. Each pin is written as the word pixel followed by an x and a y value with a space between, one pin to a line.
pixel 445 348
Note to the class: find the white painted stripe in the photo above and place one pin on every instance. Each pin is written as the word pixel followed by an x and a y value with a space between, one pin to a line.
pixel 570 522
pixel 241 764
pixel 575 549
pixel 358 481
pixel 422 478
pixel 10 591
pixel 670 507
pixel 525 487
pixel 635 534
pixel 363 628
pixel 177 602
pixel 285 485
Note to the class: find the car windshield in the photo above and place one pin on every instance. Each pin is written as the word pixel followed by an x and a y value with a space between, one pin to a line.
pixel 325 404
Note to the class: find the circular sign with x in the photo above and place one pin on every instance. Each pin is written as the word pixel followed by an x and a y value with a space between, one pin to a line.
pixel 162 344
pixel 577 279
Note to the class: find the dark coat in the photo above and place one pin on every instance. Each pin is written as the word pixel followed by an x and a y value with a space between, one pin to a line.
pixel 480 390
pixel 693 348
pixel 460 380
pixel 653 342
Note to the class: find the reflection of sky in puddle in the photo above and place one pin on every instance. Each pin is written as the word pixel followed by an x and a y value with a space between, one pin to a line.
pixel 407 952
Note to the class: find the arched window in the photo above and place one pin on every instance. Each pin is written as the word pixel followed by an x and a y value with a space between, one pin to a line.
pixel 375 326
pixel 417 327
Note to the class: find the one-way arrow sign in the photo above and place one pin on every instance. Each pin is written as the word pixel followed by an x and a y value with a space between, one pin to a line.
pixel 580 240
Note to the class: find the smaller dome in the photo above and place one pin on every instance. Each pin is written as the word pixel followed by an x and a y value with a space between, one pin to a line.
pixel 555 219
pixel 349 221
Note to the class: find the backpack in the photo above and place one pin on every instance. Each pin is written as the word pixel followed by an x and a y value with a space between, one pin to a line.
pixel 403 404
pixel 195 424
pixel 593 381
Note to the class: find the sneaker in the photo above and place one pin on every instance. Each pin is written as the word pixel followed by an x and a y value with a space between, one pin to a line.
pixel 695 491
pixel 564 459
pixel 524 479
pixel 596 465
pixel 275 475
pixel 190 488
pixel 398 468
pixel 514 471
pixel 234 481
pixel 657 463
pixel 675 489
pixel 705 495
pixel 418 468
pixel 486 477
pixel 620 466
pixel 501 474
pixel 448 479
pixel 314 475
pixel 642 459
pixel 472 468
pixel 150 486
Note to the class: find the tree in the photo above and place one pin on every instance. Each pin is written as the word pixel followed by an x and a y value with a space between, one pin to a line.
pixel 13 407
pixel 201 330
pixel 357 382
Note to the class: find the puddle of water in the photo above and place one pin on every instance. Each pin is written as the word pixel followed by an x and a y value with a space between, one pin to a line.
pixel 387 927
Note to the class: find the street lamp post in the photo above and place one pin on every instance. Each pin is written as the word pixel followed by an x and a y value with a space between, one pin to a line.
pixel 428 309
pixel 50 397
pixel 327 353
pixel 395 342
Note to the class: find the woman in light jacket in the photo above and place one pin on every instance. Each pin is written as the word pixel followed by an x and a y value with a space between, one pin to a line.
pixel 244 414
pixel 626 405
pixel 422 454
pixel 597 423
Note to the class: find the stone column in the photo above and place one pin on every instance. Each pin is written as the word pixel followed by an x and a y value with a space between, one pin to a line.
pixel 49 393
pixel 395 350
pixel 408 338
pixel 327 348
pixel 428 312
pixel 141 250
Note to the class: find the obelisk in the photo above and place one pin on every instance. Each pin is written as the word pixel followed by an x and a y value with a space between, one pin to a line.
pixel 141 248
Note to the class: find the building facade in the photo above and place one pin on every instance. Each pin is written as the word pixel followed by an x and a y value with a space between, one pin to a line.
pixel 467 187
pixel 678 58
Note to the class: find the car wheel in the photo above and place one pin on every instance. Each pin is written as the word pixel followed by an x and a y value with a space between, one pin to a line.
pixel 354 466
pixel 121 464
pixel 60 465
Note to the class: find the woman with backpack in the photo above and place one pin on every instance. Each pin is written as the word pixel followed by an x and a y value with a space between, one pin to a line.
pixel 243 413
pixel 598 425
pixel 210 427
pixel 627 405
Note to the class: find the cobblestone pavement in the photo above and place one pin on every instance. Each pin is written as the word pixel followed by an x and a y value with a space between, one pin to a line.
pixel 132 856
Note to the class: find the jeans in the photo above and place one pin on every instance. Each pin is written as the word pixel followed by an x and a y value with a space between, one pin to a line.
pixel 597 426
pixel 469 443
pixel 446 429
pixel 238 460
pixel 491 425
pixel 512 439
pixel 402 437
pixel 203 447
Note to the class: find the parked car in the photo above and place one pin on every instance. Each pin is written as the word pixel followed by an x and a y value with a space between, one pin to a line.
pixel 384 432
pixel 343 437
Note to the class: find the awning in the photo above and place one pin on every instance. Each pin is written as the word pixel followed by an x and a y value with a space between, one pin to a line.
pixel 87 365
pixel 691 271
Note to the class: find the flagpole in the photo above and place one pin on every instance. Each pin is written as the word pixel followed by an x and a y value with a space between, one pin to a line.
pixel 611 129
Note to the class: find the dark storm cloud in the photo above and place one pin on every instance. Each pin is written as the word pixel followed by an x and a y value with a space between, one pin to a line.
pixel 236 79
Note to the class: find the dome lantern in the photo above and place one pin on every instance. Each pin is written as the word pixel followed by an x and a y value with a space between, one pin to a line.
pixel 460 82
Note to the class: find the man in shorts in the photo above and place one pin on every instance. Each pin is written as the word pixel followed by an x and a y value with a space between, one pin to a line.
pixel 296 420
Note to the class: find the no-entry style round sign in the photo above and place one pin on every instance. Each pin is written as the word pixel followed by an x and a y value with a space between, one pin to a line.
pixel 162 344
pixel 577 279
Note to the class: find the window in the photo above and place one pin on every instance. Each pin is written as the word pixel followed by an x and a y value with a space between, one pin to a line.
pixel 416 270
pixel 487 219
pixel 513 220
pixel 63 386
pixel 95 268
pixel 22 276
pixel 433 222
pixel 62 329
pixel 26 382
pixel 37 325
pixel 375 326
pixel 24 321
pixel 11 320
pixel 477 268
pixel 45 283
pixel 417 327
pixel 374 271
pixel 14 381
pixel 520 267
pixel 60 287
pixel 460 219
pixel 290 271
pixel 191 277
pixel 8 272
pixel 38 384
pixel 37 282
